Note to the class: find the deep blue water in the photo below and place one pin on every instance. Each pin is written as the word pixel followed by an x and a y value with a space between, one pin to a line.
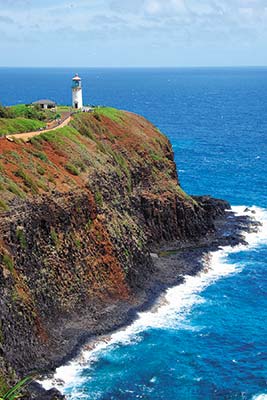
pixel 213 343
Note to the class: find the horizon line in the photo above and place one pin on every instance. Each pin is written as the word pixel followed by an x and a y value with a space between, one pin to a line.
pixel 138 67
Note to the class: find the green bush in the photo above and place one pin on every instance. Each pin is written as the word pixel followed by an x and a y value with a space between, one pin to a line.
pixel 15 393
pixel 8 262
pixel 54 237
pixel 28 111
pixel 72 169
pixel 21 238
pixel 5 112
pixel 41 155
pixel 99 199
pixel 89 224
pixel 28 181
pixel 13 188
pixel 3 205
pixel 40 169
pixel 19 125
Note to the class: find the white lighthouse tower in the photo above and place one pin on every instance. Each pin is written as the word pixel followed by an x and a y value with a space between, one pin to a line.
pixel 77 96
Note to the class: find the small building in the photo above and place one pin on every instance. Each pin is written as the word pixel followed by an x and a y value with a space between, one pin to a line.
pixel 77 97
pixel 45 103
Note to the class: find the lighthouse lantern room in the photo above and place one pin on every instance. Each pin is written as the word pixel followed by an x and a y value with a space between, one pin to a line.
pixel 77 97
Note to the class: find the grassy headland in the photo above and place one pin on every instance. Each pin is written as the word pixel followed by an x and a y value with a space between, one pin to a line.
pixel 25 118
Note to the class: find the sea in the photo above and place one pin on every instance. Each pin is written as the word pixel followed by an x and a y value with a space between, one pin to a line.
pixel 207 338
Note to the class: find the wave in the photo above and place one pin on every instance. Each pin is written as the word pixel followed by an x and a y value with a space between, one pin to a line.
pixel 171 309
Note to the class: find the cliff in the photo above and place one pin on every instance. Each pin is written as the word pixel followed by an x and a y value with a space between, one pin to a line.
pixel 82 208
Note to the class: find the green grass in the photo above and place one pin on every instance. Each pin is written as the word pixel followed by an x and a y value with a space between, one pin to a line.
pixel 19 125
pixel 8 262
pixel 72 169
pixel 99 199
pixel 3 205
pixel 54 237
pixel 13 188
pixel 184 195
pixel 15 392
pixel 28 181
pixel 41 155
pixel 22 110
pixel 155 156
pixel 61 108
pixel 40 169
pixel 89 224
pixel 57 136
pixel 3 386
pixel 21 238
pixel 31 112
pixel 109 112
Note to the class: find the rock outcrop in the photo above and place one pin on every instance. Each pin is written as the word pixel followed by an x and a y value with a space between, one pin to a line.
pixel 82 209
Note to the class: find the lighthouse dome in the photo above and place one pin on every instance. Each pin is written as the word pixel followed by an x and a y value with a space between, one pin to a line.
pixel 76 78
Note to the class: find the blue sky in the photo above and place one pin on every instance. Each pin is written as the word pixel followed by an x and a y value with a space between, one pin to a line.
pixel 110 33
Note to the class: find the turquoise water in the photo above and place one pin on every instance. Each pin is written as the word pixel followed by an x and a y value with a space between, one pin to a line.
pixel 208 341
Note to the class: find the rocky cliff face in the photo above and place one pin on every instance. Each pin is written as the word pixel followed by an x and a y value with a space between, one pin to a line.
pixel 81 210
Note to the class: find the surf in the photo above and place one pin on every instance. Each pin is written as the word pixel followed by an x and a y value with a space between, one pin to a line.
pixel 170 311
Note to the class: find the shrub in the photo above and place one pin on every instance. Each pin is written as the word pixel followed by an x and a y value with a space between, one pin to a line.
pixel 8 262
pixel 99 199
pixel 19 125
pixel 54 236
pixel 3 205
pixel 28 181
pixel 5 112
pixel 21 237
pixel 14 155
pixel 28 111
pixel 97 116
pixel 79 164
pixel 3 386
pixel 13 188
pixel 89 224
pixel 72 169
pixel 16 391
pixel 41 155
pixel 155 156
pixel 78 243
pixel 40 169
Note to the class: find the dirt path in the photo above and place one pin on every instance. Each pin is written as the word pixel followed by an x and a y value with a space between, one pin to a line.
pixel 28 135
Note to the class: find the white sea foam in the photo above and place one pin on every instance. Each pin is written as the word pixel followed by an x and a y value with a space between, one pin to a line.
pixel 172 309
pixel 260 397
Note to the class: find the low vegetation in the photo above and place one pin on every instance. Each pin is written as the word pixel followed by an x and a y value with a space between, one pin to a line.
pixel 112 113
pixel 19 125
pixel 23 118
pixel 72 169
pixel 8 262
pixel 96 142
pixel 3 205
pixel 15 392
pixel 28 111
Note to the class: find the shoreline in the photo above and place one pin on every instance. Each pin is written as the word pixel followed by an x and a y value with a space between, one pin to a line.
pixel 173 262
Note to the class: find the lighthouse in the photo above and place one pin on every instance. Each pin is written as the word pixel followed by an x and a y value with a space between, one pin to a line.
pixel 77 97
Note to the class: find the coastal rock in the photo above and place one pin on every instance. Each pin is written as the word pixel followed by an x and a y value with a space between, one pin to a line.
pixel 82 217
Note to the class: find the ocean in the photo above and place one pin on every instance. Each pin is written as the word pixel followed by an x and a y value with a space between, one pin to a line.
pixel 207 339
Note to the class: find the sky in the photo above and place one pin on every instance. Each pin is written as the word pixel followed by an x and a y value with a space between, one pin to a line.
pixel 133 33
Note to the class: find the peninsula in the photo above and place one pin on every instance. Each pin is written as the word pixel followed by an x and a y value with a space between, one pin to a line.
pixel 88 214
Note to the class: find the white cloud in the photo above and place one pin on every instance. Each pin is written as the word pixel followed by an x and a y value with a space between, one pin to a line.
pixel 153 7
pixel 124 24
